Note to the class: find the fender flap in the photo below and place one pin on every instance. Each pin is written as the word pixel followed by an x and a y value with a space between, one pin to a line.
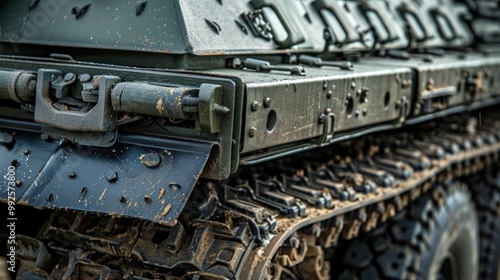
pixel 140 176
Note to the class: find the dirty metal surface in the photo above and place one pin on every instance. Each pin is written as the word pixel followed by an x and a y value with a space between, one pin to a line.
pixel 225 159
pixel 150 182
pixel 285 108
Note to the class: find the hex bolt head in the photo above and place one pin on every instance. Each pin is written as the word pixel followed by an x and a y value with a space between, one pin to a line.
pixel 255 106
pixel 267 102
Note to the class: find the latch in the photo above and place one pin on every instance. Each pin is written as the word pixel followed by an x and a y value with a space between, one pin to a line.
pixel 66 114
pixel 202 104
pixel 318 62
pixel 351 34
pixel 384 30
pixel 328 121
pixel 265 66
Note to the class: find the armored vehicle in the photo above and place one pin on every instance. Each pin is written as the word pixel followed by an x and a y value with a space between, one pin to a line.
pixel 250 139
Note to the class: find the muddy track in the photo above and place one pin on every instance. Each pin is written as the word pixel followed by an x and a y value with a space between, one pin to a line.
pixel 265 225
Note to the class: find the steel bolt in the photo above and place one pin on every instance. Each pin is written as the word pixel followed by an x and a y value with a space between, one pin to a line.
pixel 267 102
pixel 72 174
pixel 26 152
pixel 19 183
pixel 148 199
pixel 84 78
pixel 356 113
pixel 122 199
pixel 255 106
pixel 365 111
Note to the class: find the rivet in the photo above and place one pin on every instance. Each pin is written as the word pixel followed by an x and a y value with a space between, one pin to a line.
pixel 151 160
pixel 49 198
pixel 353 85
pixel 267 102
pixel 19 183
pixel 147 199
pixel 356 113
pixel 365 111
pixel 255 106
pixel 72 174
pixel 26 152
pixel 174 186
pixel 122 199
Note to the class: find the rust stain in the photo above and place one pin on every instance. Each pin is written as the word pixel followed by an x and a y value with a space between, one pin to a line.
pixel 166 210
pixel 159 106
pixel 162 192
pixel 102 195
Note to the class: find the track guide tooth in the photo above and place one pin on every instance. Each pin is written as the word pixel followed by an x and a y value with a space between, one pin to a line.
pixel 299 187
pixel 415 158
pixel 398 168
pixel 325 178
pixel 380 177
pixel 430 149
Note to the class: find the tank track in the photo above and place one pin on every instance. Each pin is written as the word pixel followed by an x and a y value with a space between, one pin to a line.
pixel 269 220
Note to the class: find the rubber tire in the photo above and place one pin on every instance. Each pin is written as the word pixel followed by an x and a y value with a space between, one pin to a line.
pixel 413 244
pixel 486 195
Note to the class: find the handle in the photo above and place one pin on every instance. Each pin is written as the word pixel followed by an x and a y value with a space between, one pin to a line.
pixel 352 34
pixel 288 19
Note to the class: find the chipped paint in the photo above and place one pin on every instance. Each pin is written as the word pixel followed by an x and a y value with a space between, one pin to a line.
pixel 102 195
pixel 162 192
pixel 166 210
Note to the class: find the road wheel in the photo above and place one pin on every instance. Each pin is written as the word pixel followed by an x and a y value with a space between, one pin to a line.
pixel 486 196
pixel 436 237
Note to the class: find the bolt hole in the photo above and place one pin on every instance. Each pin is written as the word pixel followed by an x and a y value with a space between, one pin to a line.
pixel 387 100
pixel 350 106
pixel 271 121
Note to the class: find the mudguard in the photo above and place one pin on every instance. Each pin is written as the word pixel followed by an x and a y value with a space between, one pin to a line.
pixel 128 179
